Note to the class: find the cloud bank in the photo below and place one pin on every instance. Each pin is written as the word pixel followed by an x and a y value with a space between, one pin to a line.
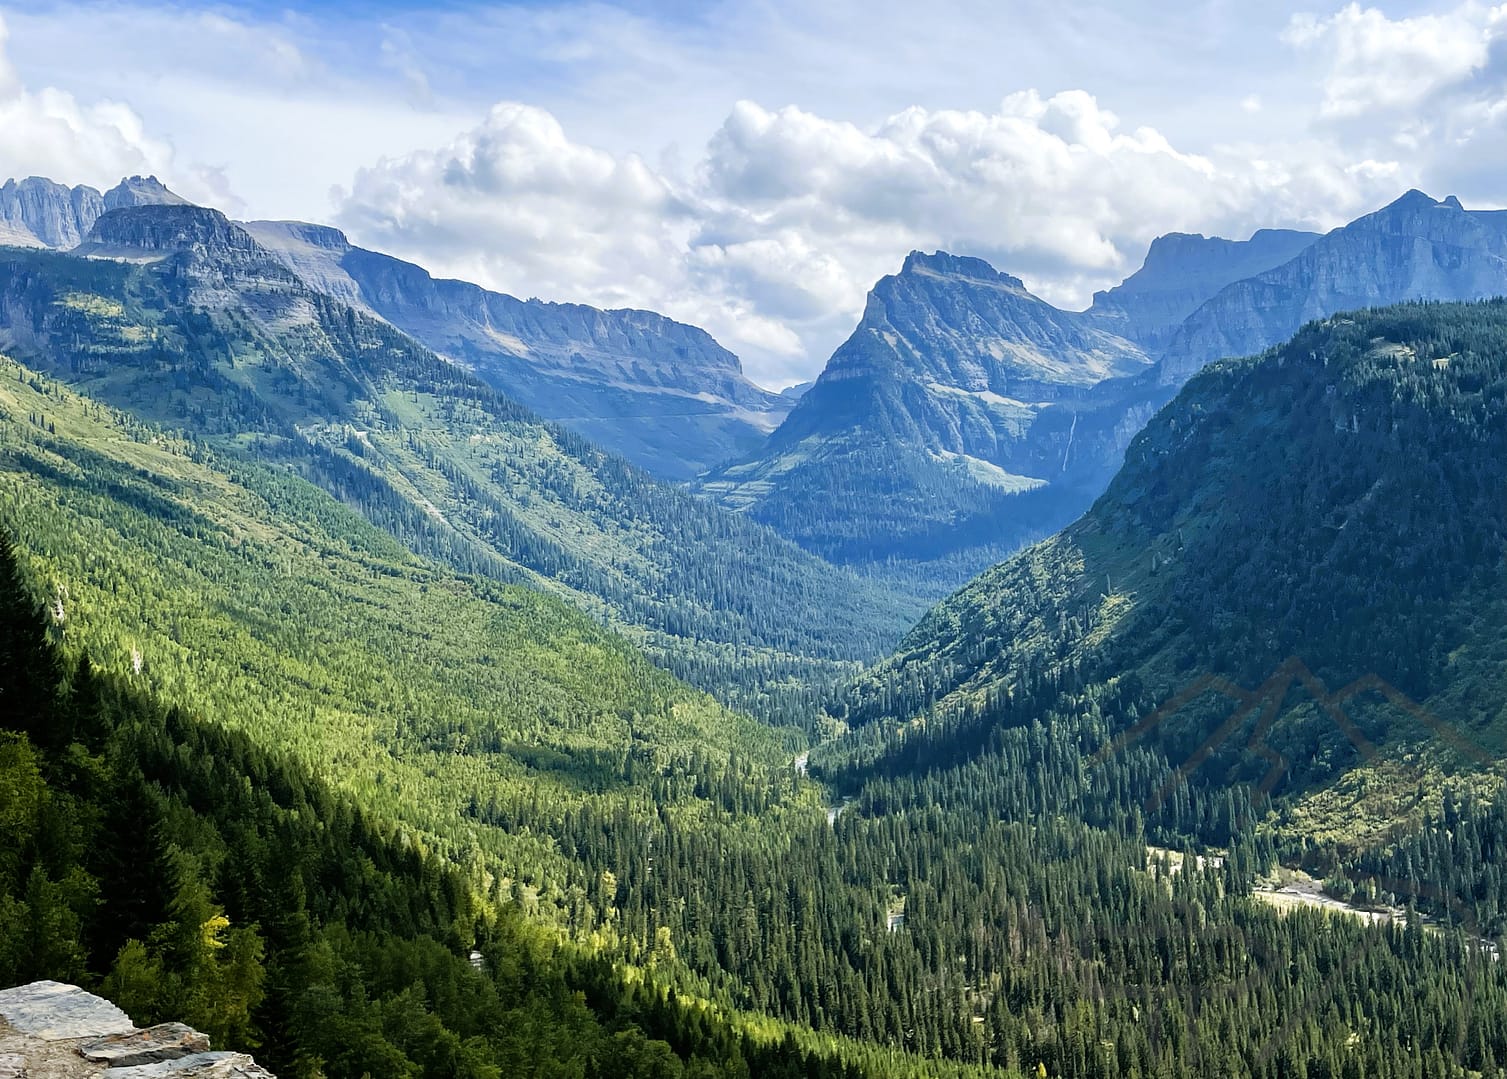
pixel 773 237
pixel 648 157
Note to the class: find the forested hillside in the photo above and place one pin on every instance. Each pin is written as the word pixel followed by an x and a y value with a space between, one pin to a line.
pixel 1332 507
pixel 190 873
pixel 977 890
pixel 491 726
pixel 204 331
pixel 247 593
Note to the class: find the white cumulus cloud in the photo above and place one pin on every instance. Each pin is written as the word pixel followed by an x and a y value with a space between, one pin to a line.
pixel 48 132
pixel 1377 63
pixel 786 218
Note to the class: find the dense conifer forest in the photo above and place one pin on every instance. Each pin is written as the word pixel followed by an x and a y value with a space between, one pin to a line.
pixel 279 753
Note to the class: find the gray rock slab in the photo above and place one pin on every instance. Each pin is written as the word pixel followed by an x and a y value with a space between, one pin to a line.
pixel 166 1041
pixel 197 1066
pixel 54 1011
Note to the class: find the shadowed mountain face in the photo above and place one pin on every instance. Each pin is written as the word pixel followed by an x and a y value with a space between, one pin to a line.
pixel 1414 249
pixel 661 393
pixel 1180 273
pixel 1331 510
pixel 909 444
pixel 965 416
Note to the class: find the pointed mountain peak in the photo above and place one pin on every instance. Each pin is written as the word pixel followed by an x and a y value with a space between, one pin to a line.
pixel 141 191
pixel 1412 200
pixel 948 265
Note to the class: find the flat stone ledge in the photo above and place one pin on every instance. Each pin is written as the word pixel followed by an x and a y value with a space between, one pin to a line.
pixel 166 1041
pixel 197 1066
pixel 50 1030
pixel 55 1011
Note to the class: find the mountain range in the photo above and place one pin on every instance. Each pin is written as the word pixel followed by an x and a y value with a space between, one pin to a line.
pixel 344 707
pixel 182 317
pixel 1269 499
pixel 660 393
pixel 932 471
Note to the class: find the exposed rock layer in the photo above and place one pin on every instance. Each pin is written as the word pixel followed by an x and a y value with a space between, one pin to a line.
pixel 51 1030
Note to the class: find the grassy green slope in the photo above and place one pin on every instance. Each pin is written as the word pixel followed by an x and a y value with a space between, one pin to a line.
pixel 493 725
pixel 233 348
pixel 248 594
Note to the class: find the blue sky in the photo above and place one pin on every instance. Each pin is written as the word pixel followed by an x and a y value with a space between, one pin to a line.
pixel 754 167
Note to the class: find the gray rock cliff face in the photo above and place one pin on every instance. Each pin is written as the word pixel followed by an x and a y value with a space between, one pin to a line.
pixel 53 1029
pixel 141 191
pixel 1183 271
pixel 36 212
pixel 659 392
pixel 56 1011
pixel 154 229
pixel 1415 249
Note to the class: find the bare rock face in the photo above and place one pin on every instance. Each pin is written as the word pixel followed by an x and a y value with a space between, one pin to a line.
pixel 1415 249
pixel 1181 273
pixel 141 191
pixel 54 1011
pixel 197 1066
pixel 166 1041
pixel 36 212
pixel 50 1030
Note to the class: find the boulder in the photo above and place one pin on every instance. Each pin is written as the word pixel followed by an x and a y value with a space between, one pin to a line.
pixel 55 1011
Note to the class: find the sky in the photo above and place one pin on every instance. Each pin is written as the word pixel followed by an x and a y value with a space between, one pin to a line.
pixel 755 167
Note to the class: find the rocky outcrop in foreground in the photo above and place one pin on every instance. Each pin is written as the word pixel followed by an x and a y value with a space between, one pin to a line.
pixel 49 1030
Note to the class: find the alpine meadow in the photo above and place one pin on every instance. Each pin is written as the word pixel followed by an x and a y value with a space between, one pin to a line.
pixel 623 541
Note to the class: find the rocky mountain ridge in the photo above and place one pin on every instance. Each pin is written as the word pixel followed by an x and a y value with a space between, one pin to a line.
pixel 182 318
pixel 1416 248
pixel 996 430
pixel 915 435
pixel 36 212
pixel 663 394
pixel 1180 273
